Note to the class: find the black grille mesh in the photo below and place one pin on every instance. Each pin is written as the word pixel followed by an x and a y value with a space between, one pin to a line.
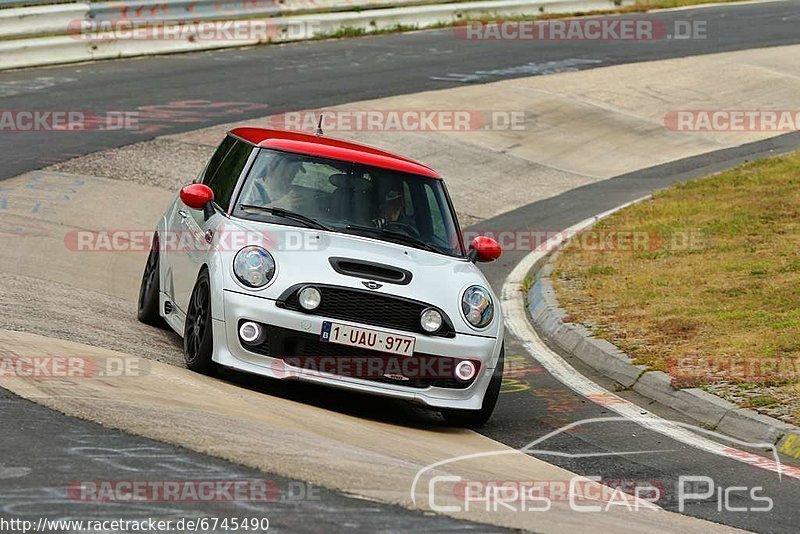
pixel 370 308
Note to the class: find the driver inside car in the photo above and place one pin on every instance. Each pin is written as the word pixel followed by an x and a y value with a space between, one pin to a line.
pixel 391 210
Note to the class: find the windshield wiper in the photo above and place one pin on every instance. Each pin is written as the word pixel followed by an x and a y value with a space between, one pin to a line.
pixel 286 214
pixel 399 236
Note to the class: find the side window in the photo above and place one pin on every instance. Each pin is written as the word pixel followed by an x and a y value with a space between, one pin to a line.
pixel 216 160
pixel 409 206
pixel 224 179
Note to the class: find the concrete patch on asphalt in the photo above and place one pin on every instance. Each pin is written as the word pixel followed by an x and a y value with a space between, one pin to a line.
pixel 63 272
pixel 48 223
pixel 84 316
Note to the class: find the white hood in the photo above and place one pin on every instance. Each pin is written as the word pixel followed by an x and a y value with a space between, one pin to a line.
pixel 302 256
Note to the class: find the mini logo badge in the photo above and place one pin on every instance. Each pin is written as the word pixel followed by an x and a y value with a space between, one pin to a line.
pixel 401 378
pixel 372 285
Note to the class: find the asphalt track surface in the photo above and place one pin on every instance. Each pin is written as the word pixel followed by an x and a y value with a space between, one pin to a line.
pixel 272 79
pixel 74 449
pixel 318 74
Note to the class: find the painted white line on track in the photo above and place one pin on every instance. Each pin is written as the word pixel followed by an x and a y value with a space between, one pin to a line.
pixel 513 303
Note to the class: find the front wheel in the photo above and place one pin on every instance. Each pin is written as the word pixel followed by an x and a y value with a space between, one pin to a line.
pixel 148 309
pixel 198 341
pixel 478 418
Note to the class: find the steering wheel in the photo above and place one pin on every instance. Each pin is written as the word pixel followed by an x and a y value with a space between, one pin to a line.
pixel 262 192
pixel 402 227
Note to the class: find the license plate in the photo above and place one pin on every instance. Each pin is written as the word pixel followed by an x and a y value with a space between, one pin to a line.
pixel 354 336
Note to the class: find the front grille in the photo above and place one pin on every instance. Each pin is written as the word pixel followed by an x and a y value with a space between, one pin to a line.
pixel 306 351
pixel 367 307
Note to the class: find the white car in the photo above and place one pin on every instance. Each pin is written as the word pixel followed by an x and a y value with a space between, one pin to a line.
pixel 298 256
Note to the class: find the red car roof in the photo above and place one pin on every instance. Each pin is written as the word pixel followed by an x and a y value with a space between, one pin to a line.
pixel 327 147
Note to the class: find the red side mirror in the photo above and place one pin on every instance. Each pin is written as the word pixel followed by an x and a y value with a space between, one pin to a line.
pixel 484 248
pixel 196 196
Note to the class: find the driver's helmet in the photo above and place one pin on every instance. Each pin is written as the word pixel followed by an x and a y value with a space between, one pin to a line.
pixel 392 205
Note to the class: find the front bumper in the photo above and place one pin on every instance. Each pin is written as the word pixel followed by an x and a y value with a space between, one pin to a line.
pixel 229 352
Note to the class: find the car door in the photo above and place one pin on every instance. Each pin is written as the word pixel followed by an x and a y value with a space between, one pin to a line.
pixel 195 232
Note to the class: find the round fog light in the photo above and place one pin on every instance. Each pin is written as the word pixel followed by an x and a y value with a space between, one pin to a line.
pixel 431 320
pixel 251 333
pixel 309 298
pixel 465 370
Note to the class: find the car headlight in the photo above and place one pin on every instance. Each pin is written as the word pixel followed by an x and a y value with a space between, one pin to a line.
pixel 254 266
pixel 477 306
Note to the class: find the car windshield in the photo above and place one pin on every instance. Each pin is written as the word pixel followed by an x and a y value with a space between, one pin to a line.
pixel 345 197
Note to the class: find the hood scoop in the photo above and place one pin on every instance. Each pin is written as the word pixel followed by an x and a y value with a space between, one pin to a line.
pixel 370 270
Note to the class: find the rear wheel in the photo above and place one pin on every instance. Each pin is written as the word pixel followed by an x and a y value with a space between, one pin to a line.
pixel 198 342
pixel 148 309
pixel 478 418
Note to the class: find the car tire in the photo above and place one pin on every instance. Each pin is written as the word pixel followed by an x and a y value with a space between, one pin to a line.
pixel 198 340
pixel 478 418
pixel 148 310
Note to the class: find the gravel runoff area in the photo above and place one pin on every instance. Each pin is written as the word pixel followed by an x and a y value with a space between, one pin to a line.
pixel 702 282
pixel 161 163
